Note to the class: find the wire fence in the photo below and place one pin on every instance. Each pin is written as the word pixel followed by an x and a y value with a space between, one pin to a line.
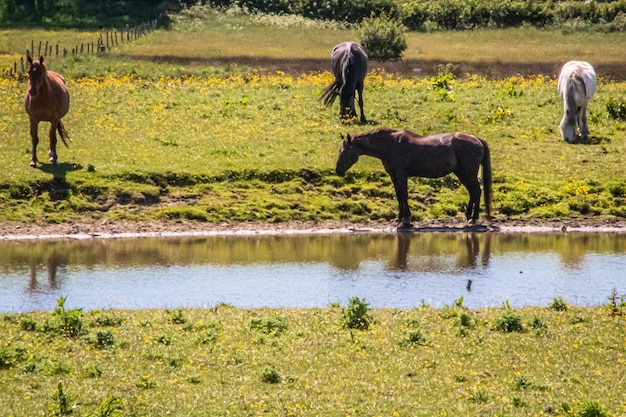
pixel 104 43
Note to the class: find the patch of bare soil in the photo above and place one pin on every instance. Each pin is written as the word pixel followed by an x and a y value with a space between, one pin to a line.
pixel 406 67
pixel 124 229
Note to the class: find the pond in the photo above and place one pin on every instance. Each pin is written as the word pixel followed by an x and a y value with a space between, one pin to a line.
pixel 400 270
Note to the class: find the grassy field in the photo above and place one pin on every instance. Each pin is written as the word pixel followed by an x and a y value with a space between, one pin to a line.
pixel 336 361
pixel 156 136
pixel 159 132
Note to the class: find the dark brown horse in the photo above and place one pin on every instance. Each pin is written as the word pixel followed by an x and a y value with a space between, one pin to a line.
pixel 47 99
pixel 349 64
pixel 405 154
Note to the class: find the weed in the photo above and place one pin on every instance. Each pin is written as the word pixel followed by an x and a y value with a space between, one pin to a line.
pixel 509 321
pixel 558 304
pixel 65 321
pixel 109 408
pixel 479 396
pixel 92 371
pixel 270 375
pixel 356 315
pixel 517 401
pixel 107 320
pixel 164 340
pixel 210 333
pixel 521 382
pixel 7 357
pixel 465 323
pixel 460 378
pixel 272 324
pixel 63 401
pixel 104 339
pixel 27 323
pixel 591 409
pixel 177 316
pixel 146 382
pixel 616 303
pixel 414 337
pixel 453 310
pixel 538 326
pixel 616 108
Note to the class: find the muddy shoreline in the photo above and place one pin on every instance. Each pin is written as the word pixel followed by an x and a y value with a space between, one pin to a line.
pixel 125 229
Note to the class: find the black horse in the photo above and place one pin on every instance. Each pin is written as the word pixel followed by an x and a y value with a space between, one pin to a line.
pixel 349 64
pixel 405 154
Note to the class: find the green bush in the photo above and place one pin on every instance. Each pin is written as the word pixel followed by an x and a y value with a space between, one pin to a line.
pixel 508 322
pixel 356 315
pixel 383 38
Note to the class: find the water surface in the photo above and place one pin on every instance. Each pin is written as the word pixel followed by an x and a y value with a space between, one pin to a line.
pixel 388 270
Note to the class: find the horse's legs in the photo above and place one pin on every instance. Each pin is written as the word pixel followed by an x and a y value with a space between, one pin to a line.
pixel 360 90
pixel 52 153
pixel 582 122
pixel 473 187
pixel 402 195
pixel 34 138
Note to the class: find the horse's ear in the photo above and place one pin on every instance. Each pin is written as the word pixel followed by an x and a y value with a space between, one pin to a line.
pixel 29 59
pixel 348 139
pixel 41 59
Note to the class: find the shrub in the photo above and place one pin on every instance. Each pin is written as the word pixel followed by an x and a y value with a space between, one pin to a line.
pixel 414 337
pixel 104 339
pixel 270 375
pixel 616 107
pixel 591 409
pixel 66 321
pixel 558 304
pixel 271 324
pixel 510 321
pixel 356 315
pixel 383 38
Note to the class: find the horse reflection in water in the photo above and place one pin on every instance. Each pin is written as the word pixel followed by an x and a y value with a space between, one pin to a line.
pixel 471 257
pixel 53 261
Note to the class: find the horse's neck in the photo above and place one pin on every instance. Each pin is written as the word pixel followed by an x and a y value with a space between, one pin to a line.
pixel 575 92
pixel 373 146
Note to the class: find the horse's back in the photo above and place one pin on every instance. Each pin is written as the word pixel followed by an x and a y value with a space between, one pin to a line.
pixel 349 52
pixel 581 71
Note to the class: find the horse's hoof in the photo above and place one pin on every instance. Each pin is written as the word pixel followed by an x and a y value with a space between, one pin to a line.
pixel 33 164
pixel 405 226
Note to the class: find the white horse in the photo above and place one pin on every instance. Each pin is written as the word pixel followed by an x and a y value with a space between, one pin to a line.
pixel 577 84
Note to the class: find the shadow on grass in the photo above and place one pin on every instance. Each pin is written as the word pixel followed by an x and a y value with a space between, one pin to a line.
pixel 59 171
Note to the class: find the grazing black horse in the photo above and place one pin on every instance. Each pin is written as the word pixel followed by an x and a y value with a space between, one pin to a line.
pixel 349 65
pixel 405 154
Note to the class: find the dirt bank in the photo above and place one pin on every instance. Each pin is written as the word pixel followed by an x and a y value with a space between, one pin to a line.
pixel 110 229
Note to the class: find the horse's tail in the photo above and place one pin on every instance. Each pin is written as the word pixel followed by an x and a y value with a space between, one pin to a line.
pixel 487 178
pixel 65 137
pixel 329 94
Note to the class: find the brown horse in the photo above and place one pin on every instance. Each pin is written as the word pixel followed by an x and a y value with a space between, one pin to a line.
pixel 47 99
pixel 405 154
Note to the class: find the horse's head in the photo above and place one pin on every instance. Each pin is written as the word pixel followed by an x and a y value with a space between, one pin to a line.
pixel 36 74
pixel 568 130
pixel 346 103
pixel 348 155
pixel 570 118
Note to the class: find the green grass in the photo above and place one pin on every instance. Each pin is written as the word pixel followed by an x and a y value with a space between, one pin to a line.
pixel 167 141
pixel 416 362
